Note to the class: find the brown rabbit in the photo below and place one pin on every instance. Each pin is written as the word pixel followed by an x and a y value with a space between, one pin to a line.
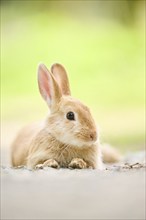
pixel 67 138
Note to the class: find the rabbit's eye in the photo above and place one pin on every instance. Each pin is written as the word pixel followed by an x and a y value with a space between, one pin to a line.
pixel 70 116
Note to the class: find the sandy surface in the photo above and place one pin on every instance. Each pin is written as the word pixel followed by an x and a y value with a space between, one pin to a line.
pixel 115 193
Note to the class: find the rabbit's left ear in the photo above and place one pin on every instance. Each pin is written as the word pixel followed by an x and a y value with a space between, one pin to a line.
pixel 61 77
pixel 48 87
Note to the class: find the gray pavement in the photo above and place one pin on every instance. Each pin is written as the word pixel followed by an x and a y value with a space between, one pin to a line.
pixel 115 193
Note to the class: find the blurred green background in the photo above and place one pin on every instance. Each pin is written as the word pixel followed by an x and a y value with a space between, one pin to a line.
pixel 100 43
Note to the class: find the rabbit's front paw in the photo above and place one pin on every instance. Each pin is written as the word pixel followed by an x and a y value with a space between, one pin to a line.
pixel 48 163
pixel 77 163
pixel 39 166
pixel 51 163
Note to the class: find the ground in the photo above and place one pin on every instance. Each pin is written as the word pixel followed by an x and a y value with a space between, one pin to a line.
pixel 118 192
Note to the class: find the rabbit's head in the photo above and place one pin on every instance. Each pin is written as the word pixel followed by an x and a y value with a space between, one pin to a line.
pixel 70 121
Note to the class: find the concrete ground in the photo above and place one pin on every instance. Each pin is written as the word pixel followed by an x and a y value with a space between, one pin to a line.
pixel 115 193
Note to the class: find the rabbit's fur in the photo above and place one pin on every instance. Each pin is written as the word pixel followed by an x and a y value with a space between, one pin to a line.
pixel 58 141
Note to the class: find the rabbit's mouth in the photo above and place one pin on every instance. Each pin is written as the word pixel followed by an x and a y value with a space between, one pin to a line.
pixel 90 137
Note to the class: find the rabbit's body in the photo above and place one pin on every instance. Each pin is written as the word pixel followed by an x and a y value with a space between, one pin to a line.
pixel 37 147
pixel 21 145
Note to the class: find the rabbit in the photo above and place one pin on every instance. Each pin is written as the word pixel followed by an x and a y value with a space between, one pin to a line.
pixel 67 138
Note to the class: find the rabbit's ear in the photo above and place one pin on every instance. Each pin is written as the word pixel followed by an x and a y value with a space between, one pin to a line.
pixel 48 87
pixel 61 77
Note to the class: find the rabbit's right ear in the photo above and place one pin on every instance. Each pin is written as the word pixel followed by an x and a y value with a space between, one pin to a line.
pixel 61 77
pixel 48 87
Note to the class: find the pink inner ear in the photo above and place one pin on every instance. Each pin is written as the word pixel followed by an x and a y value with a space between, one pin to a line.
pixel 44 86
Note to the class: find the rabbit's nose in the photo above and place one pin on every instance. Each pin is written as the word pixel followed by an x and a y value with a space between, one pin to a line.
pixel 93 136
